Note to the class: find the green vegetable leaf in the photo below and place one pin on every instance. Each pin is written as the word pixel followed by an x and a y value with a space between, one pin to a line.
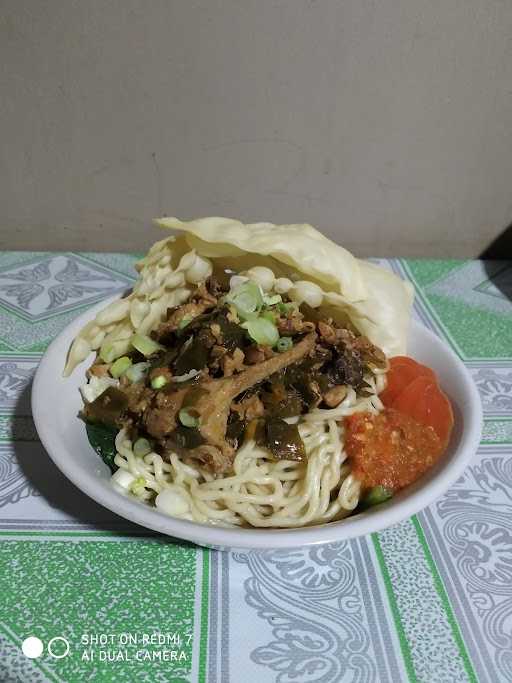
pixel 374 496
pixel 102 439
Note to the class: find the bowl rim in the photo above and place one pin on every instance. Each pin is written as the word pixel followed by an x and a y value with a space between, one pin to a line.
pixel 248 538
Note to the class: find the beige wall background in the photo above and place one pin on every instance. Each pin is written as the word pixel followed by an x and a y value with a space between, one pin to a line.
pixel 386 123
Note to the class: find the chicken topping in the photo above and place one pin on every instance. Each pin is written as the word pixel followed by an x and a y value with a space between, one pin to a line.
pixel 234 367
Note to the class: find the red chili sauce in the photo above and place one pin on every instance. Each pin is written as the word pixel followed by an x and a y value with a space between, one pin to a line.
pixel 390 449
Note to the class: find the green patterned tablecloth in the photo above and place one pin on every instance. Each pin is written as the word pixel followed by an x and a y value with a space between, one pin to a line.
pixel 427 600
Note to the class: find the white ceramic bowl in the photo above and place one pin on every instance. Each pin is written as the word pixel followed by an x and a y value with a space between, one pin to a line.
pixel 56 402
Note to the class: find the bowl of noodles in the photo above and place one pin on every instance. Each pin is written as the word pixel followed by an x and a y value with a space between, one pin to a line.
pixel 259 387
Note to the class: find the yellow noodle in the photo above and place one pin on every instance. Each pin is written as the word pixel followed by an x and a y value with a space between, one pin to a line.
pixel 263 492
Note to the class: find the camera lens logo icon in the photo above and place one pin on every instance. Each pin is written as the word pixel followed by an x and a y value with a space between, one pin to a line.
pixel 58 647
pixel 32 647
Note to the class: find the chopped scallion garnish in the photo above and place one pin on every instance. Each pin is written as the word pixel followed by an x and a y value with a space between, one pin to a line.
pixel 145 345
pixel 120 366
pixel 184 322
pixel 108 353
pixel 285 307
pixel 268 315
pixel 284 344
pixel 142 447
pixel 376 495
pixel 137 372
pixel 247 299
pixel 187 418
pixel 262 331
pixel 158 382
pixel 272 299
pixel 138 485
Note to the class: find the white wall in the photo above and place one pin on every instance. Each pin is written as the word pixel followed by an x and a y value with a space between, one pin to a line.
pixel 386 123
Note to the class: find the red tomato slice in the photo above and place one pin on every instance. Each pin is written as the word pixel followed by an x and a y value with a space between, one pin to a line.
pixel 424 401
pixel 439 414
pixel 402 371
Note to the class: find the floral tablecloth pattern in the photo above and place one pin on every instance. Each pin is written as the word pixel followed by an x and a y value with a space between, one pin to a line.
pixel 427 600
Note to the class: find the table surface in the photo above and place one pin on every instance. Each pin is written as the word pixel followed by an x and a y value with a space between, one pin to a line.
pixel 429 599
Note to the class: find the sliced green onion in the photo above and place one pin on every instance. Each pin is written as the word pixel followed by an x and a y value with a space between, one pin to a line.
pixel 262 331
pixel 141 448
pixel 120 366
pixel 268 315
pixel 247 299
pixel 158 382
pixel 376 495
pixel 137 372
pixel 187 418
pixel 185 321
pixel 272 299
pixel 284 344
pixel 137 485
pixel 108 353
pixel 145 344
pixel 284 308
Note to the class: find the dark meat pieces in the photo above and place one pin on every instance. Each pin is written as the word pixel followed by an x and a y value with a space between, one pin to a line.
pixel 139 397
pixel 346 368
pixel 370 353
pixel 213 407
pixel 350 355
pixel 207 293
pixel 249 408
pixel 178 316
pixel 98 370
pixel 162 417
pixel 205 334
pixel 294 325
pixel 334 396
pixel 214 401
pixel 257 354
pixel 233 362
